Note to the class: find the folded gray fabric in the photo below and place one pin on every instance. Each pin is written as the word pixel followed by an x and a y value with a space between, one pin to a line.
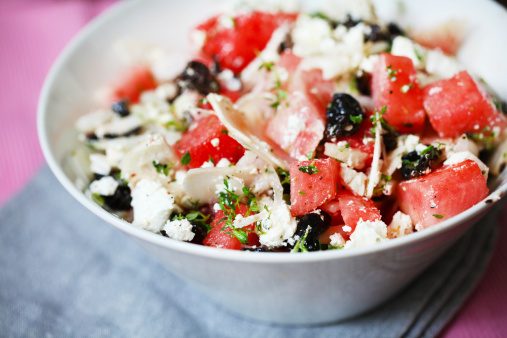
pixel 63 272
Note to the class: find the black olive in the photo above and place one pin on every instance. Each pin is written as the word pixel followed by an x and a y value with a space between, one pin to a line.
pixel 344 116
pixel 256 249
pixel 215 66
pixel 121 108
pixel 395 30
pixel 363 82
pixel 200 232
pixel 416 164
pixel 97 177
pixel 377 34
pixel 390 140
pixel 120 200
pixel 315 224
pixel 197 76
pixel 287 43
pixel 132 132
pixel 91 137
pixel 351 22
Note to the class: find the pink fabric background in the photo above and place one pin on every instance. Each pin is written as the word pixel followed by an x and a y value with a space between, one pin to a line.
pixel 32 33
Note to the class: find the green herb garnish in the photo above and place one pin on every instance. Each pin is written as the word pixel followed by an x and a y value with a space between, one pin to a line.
pixel 177 125
pixel 99 199
pixel 300 245
pixel 391 73
pixel 356 119
pixel 283 175
pixel 267 65
pixel 186 158
pixel 438 216
pixel 161 168
pixel 309 169
pixel 281 96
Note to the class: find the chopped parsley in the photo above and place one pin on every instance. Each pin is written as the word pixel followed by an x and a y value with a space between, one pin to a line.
pixel 229 202
pixel 252 204
pixel 486 137
pixel 283 175
pixel 281 96
pixel 241 235
pixel 414 164
pixel 185 159
pixel 177 125
pixel 161 168
pixel 353 87
pixel 196 218
pixel 356 119
pixel 418 54
pixel 300 245
pixel 309 169
pixel 438 216
pixel 267 65
pixel 98 199
pixel 391 73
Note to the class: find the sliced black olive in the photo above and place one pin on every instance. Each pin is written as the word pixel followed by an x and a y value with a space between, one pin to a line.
pixel 287 43
pixel 395 30
pixel 132 132
pixel 344 116
pixel 416 164
pixel 363 82
pixel 120 200
pixel 200 232
pixel 256 249
pixel 310 227
pixel 121 108
pixel 377 34
pixel 91 137
pixel 197 76
pixel 351 22
pixel 390 140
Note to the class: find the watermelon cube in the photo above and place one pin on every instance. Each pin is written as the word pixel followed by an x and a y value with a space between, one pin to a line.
pixel 442 194
pixel 313 183
pixel 457 105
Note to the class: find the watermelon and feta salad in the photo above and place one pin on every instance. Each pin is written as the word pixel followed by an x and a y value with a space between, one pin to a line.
pixel 289 131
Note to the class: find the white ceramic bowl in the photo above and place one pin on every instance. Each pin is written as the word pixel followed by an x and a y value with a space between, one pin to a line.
pixel 283 288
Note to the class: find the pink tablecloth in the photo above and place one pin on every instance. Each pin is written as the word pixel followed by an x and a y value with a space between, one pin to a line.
pixel 32 33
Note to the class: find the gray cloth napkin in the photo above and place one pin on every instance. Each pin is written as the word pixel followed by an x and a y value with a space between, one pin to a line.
pixel 63 273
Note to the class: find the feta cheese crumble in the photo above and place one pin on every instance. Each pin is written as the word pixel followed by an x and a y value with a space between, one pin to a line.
pixel 401 225
pixel 152 205
pixel 344 153
pixel 180 230
pixel 367 233
pixel 106 186
pixel 278 226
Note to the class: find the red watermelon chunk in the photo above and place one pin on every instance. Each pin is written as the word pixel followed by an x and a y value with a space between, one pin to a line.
pixel 298 126
pixel 457 105
pixel 220 237
pixel 235 44
pixel 394 85
pixel 354 208
pixel 134 82
pixel 442 194
pixel 208 140
pixel 312 183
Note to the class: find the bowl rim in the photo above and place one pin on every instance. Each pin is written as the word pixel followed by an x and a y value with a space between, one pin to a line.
pixel 201 250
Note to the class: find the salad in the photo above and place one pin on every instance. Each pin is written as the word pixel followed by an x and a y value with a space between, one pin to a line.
pixel 289 131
